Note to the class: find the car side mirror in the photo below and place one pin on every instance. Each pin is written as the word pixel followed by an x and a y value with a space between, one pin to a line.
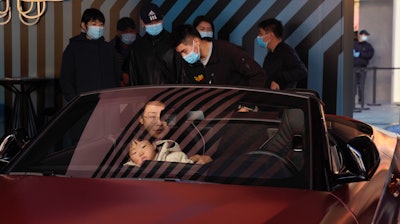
pixel 361 159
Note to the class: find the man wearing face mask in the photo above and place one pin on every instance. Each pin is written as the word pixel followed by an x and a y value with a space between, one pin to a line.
pixel 211 61
pixel 152 61
pixel 282 64
pixel 362 53
pixel 88 62
pixel 205 27
pixel 123 42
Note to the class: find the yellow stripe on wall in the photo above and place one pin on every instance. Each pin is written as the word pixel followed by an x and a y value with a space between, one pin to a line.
pixel 41 48
pixel 114 16
pixel 24 51
pixel 97 4
pixel 58 36
pixel 7 50
pixel 76 18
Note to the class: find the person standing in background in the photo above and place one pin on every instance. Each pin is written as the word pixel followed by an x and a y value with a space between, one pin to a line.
pixel 122 42
pixel 282 64
pixel 152 60
pixel 88 62
pixel 204 26
pixel 362 53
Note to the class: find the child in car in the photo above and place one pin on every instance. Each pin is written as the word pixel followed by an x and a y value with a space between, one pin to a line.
pixel 162 150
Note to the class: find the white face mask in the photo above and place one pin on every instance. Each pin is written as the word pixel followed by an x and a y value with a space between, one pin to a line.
pixel 364 38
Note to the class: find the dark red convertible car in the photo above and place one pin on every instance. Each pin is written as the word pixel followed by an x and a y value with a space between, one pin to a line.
pixel 234 155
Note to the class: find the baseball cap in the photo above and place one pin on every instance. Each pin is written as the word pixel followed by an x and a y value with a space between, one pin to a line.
pixel 150 12
pixel 365 32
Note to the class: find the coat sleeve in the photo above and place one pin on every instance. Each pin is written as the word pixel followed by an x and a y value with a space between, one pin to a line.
pixel 67 74
pixel 294 69
pixel 170 151
pixel 179 157
pixel 249 68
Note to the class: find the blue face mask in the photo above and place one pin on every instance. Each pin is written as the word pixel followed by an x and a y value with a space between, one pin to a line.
pixel 204 34
pixel 154 29
pixel 128 38
pixel 364 38
pixel 95 32
pixel 192 57
pixel 261 43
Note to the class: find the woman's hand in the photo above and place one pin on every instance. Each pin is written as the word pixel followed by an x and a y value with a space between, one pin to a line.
pixel 200 159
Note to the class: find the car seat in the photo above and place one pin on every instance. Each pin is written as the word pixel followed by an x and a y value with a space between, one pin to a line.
pixel 288 140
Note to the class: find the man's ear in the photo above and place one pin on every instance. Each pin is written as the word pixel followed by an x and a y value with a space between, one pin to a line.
pixel 141 120
pixel 83 26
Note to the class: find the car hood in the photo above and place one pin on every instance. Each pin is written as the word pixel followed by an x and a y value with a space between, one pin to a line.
pixel 38 199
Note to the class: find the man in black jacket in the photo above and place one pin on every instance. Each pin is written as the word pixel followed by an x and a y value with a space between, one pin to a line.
pixel 152 60
pixel 282 64
pixel 215 61
pixel 88 62
pixel 362 53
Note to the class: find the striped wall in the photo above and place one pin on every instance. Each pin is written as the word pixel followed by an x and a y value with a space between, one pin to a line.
pixel 315 28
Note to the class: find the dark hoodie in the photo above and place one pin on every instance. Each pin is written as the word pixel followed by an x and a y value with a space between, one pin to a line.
pixel 153 61
pixel 87 65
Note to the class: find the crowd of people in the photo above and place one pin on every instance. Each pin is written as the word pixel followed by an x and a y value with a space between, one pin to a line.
pixel 190 54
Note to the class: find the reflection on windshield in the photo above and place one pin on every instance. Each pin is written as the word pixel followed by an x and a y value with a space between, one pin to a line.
pixel 248 137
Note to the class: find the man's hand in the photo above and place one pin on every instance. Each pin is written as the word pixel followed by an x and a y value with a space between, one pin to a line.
pixel 274 86
pixel 124 79
pixel 200 159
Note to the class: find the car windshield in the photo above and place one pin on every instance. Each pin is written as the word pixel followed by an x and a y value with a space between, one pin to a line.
pixel 252 136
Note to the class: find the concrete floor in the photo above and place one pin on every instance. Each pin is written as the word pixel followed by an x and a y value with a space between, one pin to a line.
pixel 384 116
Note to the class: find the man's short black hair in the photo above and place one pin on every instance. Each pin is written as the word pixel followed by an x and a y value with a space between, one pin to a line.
pixel 124 23
pixel 92 14
pixel 272 25
pixel 180 34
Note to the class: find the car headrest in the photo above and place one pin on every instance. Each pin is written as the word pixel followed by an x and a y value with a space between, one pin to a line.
pixel 195 115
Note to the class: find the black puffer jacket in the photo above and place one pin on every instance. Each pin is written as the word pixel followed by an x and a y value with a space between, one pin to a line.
pixel 87 65
pixel 366 53
pixel 153 61
pixel 284 67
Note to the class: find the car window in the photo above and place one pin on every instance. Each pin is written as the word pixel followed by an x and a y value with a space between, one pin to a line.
pixel 265 145
pixel 52 150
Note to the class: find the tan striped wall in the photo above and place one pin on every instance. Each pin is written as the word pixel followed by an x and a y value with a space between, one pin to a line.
pixel 36 50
